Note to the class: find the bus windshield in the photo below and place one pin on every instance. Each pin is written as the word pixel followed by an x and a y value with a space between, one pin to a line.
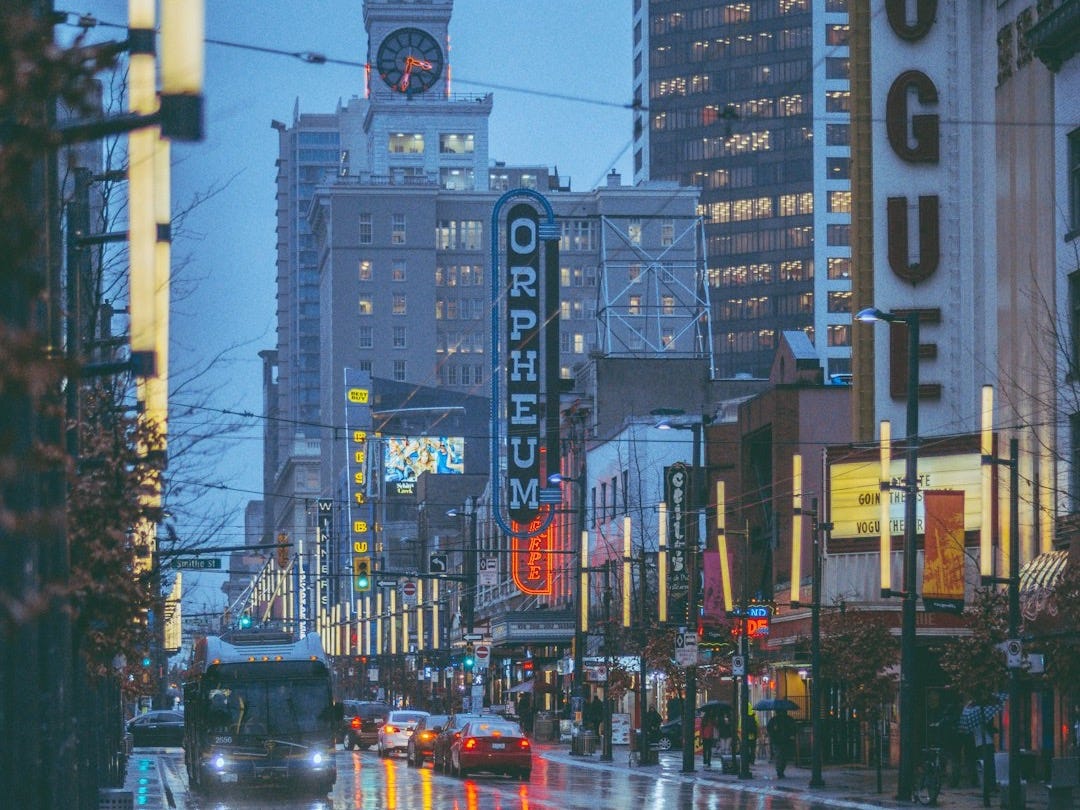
pixel 296 708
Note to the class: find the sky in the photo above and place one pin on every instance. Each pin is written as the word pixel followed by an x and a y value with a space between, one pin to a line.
pixel 561 75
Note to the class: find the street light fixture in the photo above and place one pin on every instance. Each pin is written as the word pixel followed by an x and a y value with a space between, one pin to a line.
pixel 692 543
pixel 906 771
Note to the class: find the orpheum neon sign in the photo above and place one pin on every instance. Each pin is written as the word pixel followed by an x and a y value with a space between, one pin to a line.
pixel 523 362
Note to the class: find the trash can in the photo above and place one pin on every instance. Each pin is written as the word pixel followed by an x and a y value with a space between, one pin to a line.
pixel 584 743
pixel 545 727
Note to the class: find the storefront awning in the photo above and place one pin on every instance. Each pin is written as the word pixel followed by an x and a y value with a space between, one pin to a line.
pixel 524 686
pixel 1037 580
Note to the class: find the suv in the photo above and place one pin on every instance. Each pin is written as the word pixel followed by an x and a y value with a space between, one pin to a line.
pixel 361 721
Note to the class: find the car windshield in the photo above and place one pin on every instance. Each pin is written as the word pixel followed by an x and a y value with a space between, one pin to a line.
pixel 406 717
pixel 299 707
pixel 494 730
pixel 436 721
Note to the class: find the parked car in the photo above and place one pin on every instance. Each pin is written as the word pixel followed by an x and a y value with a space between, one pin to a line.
pixel 671 732
pixel 160 727
pixel 394 734
pixel 423 738
pixel 440 749
pixel 494 745
pixel 361 721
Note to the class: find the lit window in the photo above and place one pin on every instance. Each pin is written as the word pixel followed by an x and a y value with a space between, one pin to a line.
pixel 399 304
pixel 411 143
pixel 397 234
pixel 365 270
pixel 456 143
pixel 365 307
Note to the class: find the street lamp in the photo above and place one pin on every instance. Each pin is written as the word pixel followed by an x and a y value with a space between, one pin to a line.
pixel 906 772
pixel 690 702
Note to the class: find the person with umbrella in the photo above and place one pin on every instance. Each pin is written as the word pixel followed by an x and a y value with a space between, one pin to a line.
pixel 781 729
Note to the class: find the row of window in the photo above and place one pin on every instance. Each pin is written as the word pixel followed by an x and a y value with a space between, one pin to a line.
pixel 712 16
pixel 459 275
pixel 741 275
pixel 725 46
pixel 397 370
pixel 750 208
pixel 472 342
pixel 760 174
pixel 711 114
pixel 790 72
pixel 412 143
pixel 761 240
pixel 460 309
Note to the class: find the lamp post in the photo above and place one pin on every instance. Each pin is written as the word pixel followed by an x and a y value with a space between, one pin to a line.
pixel 816 779
pixel 468 595
pixel 692 542
pixel 905 781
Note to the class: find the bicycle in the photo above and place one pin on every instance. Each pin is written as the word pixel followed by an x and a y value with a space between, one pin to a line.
pixel 928 778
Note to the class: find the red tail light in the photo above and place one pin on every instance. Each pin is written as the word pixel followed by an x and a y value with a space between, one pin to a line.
pixel 389 729
pixel 524 743
pixel 469 744
pixel 355 722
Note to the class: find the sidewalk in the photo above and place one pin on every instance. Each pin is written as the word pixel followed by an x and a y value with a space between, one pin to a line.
pixel 850 786
pixel 145 785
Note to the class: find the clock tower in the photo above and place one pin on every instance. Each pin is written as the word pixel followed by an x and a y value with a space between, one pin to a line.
pixel 407 52
pixel 416 133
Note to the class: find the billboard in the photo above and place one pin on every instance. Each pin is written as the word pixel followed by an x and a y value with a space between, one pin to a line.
pixel 405 457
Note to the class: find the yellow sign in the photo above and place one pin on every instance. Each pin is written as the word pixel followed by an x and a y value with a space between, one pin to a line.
pixel 358 396
pixel 855 493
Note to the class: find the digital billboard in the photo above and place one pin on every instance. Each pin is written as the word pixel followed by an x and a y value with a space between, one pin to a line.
pixel 406 457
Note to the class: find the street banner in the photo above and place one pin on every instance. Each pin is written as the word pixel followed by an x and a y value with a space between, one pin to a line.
pixel 677 481
pixel 943 551
pixel 712 601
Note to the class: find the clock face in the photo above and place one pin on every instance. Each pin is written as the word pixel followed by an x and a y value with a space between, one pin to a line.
pixel 409 60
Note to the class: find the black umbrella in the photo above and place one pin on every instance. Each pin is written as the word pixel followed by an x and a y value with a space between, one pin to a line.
pixel 775 705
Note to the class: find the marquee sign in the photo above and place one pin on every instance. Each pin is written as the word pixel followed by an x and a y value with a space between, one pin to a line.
pixel 523 325
pixel 531 564
pixel 676 495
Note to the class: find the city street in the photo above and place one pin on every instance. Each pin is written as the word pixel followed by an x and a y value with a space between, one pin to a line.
pixel 559 780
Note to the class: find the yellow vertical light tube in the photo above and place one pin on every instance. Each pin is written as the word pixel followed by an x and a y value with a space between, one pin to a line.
pixel 435 614
pixel 392 626
pixel 404 626
pixel 378 622
pixel 884 529
pixel 419 614
pixel 183 24
pixel 627 574
pixel 661 563
pixel 157 384
pixel 796 528
pixel 583 584
pixel 986 453
pixel 721 544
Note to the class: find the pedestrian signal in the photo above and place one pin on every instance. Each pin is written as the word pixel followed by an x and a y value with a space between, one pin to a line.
pixel 362 573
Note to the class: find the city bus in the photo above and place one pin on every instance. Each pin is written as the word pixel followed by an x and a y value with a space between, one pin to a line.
pixel 258 709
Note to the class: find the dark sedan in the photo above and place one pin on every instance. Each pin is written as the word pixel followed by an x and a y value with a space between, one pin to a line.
pixel 422 741
pixel 160 727
pixel 440 749
pixel 493 745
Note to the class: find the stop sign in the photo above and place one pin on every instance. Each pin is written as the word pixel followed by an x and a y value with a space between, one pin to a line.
pixel 409 588
pixel 482 651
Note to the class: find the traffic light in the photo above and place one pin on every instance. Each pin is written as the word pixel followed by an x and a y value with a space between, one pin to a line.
pixel 245 621
pixel 362 573
pixel 146 660
pixel 470 657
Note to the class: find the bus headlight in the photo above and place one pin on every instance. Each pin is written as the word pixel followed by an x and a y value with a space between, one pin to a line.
pixel 317 758
pixel 219 762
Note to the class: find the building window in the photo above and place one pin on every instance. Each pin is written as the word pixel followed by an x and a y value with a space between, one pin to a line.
pixel 397 270
pixel 365 270
pixel 837 67
pixel 399 304
pixel 837 34
pixel 364 338
pixel 838 135
pixel 411 143
pixel 838 235
pixel 455 178
pixel 1074 184
pixel 456 143
pixel 365 236
pixel 839 334
pixel 667 305
pixel 838 168
pixel 399 371
pixel 397 233
pixel 667 232
pixel 1074 325
pixel 478 374
pixel 839 202
pixel 633 231
pixel 365 305
pixel 840 301
pixel 400 338
pixel 839 267
pixel 838 101
pixel 634 306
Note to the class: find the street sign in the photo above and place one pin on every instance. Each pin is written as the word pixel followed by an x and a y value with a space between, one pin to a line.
pixel 386 583
pixel 489 571
pixel 199 563
pixel 686 648
pixel 473 636
pixel 437 563
pixel 738 665
pixel 482 653
pixel 408 593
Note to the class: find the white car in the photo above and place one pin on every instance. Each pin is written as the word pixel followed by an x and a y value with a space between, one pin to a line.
pixel 395 732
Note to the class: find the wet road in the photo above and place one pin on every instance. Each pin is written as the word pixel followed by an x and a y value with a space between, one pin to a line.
pixel 366 782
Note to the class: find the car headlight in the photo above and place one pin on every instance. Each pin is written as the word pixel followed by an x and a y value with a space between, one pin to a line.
pixel 317 758
pixel 219 762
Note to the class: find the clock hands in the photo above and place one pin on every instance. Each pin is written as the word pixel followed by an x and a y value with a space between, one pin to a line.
pixel 411 63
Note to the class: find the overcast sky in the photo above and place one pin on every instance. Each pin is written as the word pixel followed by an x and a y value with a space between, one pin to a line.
pixel 560 71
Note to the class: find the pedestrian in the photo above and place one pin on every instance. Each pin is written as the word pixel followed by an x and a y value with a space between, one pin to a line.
pixel 781 730
pixel 652 725
pixel 983 735
pixel 751 737
pixel 708 734
pixel 594 713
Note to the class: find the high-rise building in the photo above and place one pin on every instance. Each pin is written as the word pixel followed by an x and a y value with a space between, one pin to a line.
pixel 749 102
